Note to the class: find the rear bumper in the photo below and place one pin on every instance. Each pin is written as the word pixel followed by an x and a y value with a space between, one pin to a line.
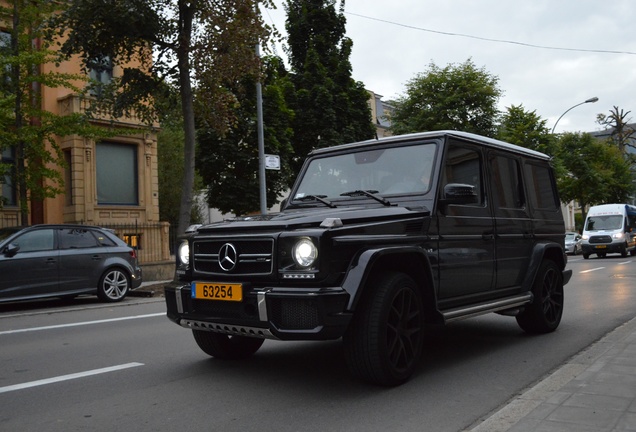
pixel 265 312
pixel 136 278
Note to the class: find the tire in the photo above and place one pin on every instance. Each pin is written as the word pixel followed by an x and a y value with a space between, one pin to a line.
pixel 624 251
pixel 113 285
pixel 226 347
pixel 632 252
pixel 586 255
pixel 383 344
pixel 544 314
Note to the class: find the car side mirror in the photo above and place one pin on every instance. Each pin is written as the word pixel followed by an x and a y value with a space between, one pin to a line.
pixel 458 193
pixel 11 250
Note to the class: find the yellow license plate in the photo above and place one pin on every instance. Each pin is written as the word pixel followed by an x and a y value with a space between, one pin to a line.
pixel 600 247
pixel 217 291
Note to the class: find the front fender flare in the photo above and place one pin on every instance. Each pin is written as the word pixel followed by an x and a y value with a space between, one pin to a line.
pixel 362 266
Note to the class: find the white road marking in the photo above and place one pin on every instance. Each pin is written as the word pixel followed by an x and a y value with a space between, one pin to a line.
pixel 624 262
pixel 68 377
pixel 81 323
pixel 591 270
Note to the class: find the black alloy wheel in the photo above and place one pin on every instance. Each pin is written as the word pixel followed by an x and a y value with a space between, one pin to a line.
pixel 544 314
pixel 383 344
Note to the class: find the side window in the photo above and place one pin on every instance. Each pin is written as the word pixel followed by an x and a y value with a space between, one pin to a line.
pixel 631 221
pixel 464 165
pixel 541 187
pixel 73 238
pixel 507 184
pixel 33 241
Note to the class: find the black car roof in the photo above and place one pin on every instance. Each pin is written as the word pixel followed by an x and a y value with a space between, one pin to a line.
pixel 490 142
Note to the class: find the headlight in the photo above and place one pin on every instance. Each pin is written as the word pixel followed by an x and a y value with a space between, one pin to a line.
pixel 304 253
pixel 585 237
pixel 618 236
pixel 184 253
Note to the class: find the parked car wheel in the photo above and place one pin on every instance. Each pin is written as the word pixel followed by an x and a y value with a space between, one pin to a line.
pixel 383 344
pixel 113 285
pixel 226 347
pixel 544 314
pixel 586 255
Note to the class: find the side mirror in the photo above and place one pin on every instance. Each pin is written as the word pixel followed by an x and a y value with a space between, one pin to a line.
pixel 11 250
pixel 458 193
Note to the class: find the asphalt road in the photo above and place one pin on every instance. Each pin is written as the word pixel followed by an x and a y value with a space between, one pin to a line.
pixel 82 365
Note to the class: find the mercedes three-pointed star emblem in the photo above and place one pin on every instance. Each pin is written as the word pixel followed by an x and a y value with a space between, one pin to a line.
pixel 228 257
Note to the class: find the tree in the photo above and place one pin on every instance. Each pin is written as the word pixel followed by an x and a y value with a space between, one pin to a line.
pixel 27 131
pixel 210 43
pixel 595 172
pixel 526 129
pixel 229 163
pixel 330 106
pixel 456 97
pixel 623 135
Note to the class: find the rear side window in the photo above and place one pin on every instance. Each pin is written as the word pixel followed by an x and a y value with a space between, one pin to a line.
pixel 507 184
pixel 74 238
pixel 541 188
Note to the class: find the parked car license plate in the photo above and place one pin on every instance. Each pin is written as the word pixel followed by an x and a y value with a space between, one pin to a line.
pixel 217 291
pixel 600 247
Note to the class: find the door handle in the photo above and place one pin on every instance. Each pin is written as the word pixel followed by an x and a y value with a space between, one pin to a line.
pixel 487 237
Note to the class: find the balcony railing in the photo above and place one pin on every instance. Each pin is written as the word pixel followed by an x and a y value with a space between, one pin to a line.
pixel 75 104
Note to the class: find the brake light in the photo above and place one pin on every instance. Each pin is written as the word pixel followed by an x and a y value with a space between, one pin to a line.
pixel 133 253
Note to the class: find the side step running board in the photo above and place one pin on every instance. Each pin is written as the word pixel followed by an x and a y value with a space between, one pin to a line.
pixel 487 307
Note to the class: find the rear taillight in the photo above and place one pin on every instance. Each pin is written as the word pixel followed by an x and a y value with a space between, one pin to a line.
pixel 133 253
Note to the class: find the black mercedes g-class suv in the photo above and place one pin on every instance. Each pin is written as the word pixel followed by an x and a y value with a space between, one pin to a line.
pixel 376 240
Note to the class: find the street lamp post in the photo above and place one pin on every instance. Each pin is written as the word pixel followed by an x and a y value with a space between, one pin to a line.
pixel 590 100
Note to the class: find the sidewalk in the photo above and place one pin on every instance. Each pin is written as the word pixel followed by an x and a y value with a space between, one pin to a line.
pixel 595 391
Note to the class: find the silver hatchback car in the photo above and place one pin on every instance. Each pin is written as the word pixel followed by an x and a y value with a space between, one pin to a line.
pixel 65 261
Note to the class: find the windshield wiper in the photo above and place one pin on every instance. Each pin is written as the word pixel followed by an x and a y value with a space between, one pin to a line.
pixel 320 198
pixel 369 193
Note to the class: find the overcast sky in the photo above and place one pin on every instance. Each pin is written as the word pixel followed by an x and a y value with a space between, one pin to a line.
pixel 557 53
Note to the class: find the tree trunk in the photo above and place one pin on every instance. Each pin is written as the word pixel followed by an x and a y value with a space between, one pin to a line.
pixel 185 208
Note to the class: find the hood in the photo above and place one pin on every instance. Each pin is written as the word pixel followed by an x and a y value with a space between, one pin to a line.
pixel 312 218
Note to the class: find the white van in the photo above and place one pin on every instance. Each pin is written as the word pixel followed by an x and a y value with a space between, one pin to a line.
pixel 610 228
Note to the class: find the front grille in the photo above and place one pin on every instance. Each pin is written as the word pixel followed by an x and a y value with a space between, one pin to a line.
pixel 294 314
pixel 600 239
pixel 253 256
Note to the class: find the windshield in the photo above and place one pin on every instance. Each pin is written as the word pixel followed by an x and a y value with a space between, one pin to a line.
pixel 605 222
pixel 387 171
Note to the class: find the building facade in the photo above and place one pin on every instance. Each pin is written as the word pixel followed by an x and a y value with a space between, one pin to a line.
pixel 111 182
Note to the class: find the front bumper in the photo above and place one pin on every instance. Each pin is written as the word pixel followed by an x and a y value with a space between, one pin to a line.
pixel 265 312
pixel 601 248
